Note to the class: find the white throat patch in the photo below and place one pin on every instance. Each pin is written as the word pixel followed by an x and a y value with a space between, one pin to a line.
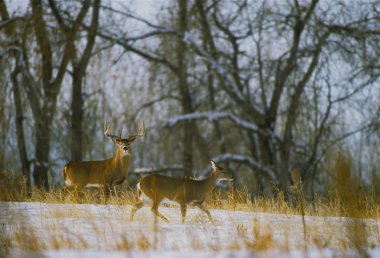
pixel 126 152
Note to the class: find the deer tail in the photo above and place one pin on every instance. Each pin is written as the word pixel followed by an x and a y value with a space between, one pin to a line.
pixel 64 173
pixel 139 192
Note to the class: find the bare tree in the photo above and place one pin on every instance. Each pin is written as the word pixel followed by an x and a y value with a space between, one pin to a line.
pixel 176 65
pixel 183 86
pixel 273 108
pixel 14 48
pixel 43 84
pixel 79 64
pixel 263 87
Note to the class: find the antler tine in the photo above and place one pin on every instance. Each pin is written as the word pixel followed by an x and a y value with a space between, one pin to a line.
pixel 106 129
pixel 108 133
pixel 141 131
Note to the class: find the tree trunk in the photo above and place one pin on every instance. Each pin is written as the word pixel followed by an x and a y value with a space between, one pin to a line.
pixel 43 135
pixel 19 119
pixel 77 103
pixel 283 171
pixel 186 101
pixel 76 116
pixel 51 82
pixel 208 44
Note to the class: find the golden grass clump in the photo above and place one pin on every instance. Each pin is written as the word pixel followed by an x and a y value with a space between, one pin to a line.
pixel 5 241
pixel 124 244
pixel 27 240
pixel 142 243
pixel 351 201
pixel 15 190
pixel 262 238
pixel 14 187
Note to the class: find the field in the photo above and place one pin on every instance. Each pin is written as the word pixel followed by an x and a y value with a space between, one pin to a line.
pixel 265 228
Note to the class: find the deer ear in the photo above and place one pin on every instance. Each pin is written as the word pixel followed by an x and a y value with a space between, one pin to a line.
pixel 131 138
pixel 213 164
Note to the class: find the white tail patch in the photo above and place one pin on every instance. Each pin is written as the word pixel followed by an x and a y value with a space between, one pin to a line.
pixel 142 197
pixel 138 186
pixel 68 181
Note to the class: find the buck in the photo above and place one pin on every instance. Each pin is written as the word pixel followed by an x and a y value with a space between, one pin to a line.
pixel 102 173
pixel 184 191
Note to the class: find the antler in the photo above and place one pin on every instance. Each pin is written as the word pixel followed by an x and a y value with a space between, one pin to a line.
pixel 140 132
pixel 107 132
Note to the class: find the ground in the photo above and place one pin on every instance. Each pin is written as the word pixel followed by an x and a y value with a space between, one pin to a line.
pixel 90 230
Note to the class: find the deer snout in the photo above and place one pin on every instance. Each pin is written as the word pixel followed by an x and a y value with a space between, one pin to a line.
pixel 225 176
pixel 125 150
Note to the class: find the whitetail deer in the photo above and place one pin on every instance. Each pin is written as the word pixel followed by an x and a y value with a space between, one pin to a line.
pixel 102 173
pixel 184 191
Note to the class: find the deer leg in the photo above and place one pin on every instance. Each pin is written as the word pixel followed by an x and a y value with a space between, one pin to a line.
pixel 120 182
pixel 76 193
pixel 63 193
pixel 156 212
pixel 117 186
pixel 205 210
pixel 135 208
pixel 107 191
pixel 115 190
pixel 183 212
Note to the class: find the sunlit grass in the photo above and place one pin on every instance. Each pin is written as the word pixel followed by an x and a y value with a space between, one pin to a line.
pixel 336 203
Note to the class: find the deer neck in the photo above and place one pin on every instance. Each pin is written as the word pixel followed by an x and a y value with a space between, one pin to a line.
pixel 121 158
pixel 210 181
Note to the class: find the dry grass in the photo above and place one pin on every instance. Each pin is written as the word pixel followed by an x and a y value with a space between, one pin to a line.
pixel 13 187
pixel 5 239
pixel 262 238
pixel 349 198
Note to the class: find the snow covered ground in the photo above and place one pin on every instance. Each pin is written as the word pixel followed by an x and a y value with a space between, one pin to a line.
pixel 87 230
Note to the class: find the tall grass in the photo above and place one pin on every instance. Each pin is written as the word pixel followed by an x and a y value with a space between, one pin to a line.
pixel 353 202
pixel 346 197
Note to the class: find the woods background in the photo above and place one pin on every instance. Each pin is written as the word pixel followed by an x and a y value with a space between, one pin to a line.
pixel 265 88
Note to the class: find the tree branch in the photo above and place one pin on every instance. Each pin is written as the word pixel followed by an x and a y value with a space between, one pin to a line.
pixel 249 162
pixel 43 43
pixel 69 49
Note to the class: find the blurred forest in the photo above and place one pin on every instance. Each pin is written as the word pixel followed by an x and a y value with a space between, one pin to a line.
pixel 265 88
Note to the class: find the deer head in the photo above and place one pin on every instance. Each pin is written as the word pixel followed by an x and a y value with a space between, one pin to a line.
pixel 219 172
pixel 124 143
